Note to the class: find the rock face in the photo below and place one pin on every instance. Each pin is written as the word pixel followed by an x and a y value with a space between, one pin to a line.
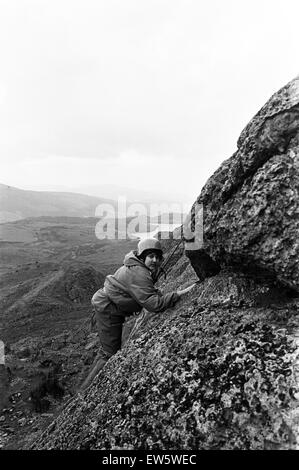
pixel 251 203
pixel 213 373
pixel 220 370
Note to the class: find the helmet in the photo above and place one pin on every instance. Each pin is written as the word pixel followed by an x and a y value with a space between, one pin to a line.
pixel 149 244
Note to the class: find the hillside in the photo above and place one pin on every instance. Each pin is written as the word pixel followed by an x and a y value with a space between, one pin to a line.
pixel 18 204
pixel 220 369
pixel 50 268
pixel 210 374
pixel 39 255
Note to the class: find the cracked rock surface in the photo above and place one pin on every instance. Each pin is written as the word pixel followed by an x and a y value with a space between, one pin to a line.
pixel 212 373
pixel 220 370
pixel 251 203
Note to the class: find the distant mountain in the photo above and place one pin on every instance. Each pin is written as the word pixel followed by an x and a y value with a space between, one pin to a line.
pixel 16 204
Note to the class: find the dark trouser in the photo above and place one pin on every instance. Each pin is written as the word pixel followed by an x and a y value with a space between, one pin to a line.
pixel 109 322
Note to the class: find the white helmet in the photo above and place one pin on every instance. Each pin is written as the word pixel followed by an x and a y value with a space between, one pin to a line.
pixel 149 244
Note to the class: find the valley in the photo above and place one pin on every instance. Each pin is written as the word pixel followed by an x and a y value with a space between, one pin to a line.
pixel 50 268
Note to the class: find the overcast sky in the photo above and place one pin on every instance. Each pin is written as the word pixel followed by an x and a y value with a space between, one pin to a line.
pixel 149 94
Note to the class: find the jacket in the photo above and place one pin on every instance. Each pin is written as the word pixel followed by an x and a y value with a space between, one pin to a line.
pixel 131 288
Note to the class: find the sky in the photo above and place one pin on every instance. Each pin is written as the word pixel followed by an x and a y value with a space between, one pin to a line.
pixel 145 94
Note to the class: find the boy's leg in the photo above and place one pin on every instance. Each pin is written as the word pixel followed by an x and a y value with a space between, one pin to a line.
pixel 109 323
pixel 98 364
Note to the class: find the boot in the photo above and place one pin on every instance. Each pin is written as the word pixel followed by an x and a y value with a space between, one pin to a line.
pixel 97 366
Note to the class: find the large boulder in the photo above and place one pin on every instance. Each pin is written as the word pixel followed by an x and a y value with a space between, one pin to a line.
pixel 251 203
pixel 220 369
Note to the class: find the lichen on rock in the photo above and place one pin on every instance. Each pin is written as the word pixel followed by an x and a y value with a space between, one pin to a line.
pixel 220 370
pixel 251 203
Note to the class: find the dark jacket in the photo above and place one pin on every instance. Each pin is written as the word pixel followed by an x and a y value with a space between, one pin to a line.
pixel 131 288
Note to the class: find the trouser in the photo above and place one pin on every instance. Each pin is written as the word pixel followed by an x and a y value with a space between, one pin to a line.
pixel 109 323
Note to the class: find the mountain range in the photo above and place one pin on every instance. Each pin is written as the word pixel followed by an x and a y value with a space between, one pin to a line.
pixel 17 204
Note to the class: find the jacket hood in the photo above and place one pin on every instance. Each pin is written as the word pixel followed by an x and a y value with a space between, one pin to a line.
pixel 132 260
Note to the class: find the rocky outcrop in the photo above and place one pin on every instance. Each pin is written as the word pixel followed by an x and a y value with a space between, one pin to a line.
pixel 220 370
pixel 214 372
pixel 251 203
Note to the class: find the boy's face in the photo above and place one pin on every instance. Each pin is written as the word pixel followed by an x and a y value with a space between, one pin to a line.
pixel 153 261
